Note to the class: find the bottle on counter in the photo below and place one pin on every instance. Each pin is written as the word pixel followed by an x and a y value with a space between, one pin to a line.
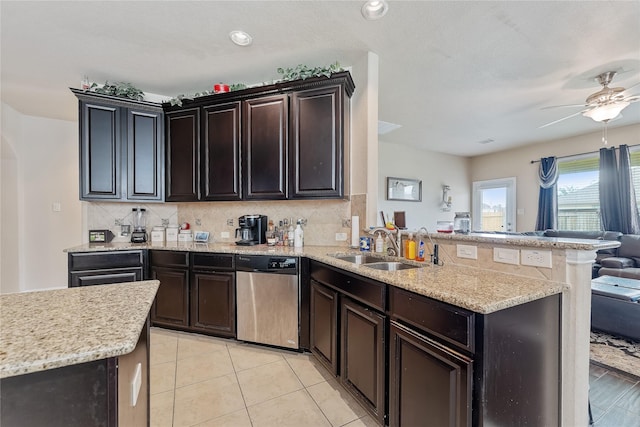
pixel 291 233
pixel 298 236
pixel 421 248
pixel 411 248
pixel 379 243
pixel 271 234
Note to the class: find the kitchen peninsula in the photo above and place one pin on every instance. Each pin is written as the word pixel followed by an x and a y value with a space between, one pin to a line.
pixel 77 356
pixel 546 311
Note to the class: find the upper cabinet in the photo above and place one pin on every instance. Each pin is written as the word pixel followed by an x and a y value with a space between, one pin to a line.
pixel 121 149
pixel 283 141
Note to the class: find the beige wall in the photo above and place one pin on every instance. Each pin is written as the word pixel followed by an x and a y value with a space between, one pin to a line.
pixel 434 170
pixel 517 163
pixel 46 171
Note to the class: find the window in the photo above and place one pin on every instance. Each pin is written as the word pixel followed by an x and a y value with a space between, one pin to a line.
pixel 578 194
pixel 494 205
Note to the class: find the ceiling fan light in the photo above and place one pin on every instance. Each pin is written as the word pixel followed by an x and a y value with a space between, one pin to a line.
pixel 240 38
pixel 374 9
pixel 605 113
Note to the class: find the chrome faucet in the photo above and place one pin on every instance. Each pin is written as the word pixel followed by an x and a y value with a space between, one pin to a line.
pixel 395 249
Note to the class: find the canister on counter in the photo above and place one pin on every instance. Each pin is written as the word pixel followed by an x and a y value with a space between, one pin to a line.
pixel 157 234
pixel 172 233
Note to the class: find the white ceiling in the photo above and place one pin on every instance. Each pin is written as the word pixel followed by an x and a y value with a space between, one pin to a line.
pixel 451 73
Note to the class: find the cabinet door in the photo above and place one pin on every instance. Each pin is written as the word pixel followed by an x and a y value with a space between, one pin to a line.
pixel 144 155
pixel 172 299
pixel 100 136
pixel 323 318
pixel 427 381
pixel 362 356
pixel 182 146
pixel 317 143
pixel 213 303
pixel 220 158
pixel 264 156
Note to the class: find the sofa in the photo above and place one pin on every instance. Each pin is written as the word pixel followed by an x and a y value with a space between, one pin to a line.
pixel 626 261
pixel 593 235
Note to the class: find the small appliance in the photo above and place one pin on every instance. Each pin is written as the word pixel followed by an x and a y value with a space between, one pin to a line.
pixel 100 236
pixel 139 233
pixel 252 230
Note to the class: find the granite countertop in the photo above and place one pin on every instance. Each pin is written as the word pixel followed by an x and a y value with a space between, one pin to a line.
pixel 50 329
pixel 480 290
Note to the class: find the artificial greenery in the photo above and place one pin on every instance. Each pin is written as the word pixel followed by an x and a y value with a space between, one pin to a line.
pixel 178 99
pixel 302 72
pixel 120 89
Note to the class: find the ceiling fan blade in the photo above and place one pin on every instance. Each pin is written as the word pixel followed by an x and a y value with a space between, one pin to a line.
pixel 562 119
pixel 563 106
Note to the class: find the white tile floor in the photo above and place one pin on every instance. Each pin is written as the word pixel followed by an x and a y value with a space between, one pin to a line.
pixel 204 381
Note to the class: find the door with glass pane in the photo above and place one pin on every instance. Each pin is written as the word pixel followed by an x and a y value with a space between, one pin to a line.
pixel 494 205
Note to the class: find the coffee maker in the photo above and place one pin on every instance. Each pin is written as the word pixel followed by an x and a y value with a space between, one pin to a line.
pixel 252 230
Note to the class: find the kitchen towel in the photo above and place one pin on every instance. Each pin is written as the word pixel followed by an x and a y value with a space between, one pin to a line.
pixel 355 231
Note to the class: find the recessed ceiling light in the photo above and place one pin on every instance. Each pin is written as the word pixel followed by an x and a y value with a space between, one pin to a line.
pixel 240 38
pixel 374 9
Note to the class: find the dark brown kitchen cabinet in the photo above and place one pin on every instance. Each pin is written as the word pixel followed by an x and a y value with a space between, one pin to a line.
pixel 220 156
pixel 265 147
pixel 319 123
pixel 323 326
pixel 100 268
pixel 171 306
pixel 362 355
pixel 213 294
pixel 121 149
pixel 427 381
pixel 182 148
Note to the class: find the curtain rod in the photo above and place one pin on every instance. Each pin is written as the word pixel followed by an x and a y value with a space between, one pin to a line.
pixel 581 154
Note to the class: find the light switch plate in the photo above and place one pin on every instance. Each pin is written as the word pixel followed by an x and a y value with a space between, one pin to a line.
pixel 224 234
pixel 467 251
pixel 506 256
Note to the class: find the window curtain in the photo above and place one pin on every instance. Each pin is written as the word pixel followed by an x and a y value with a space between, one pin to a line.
pixel 548 199
pixel 609 191
pixel 627 195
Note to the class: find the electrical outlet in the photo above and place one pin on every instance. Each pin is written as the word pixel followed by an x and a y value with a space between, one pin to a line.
pixel 230 222
pixel 467 251
pixel 506 256
pixel 118 221
pixel 198 222
pixel 165 222
pixel 346 223
pixel 341 237
pixel 56 207
pixel 536 258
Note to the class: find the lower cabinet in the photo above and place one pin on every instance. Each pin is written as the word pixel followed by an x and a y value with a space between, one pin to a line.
pixel 213 303
pixel 323 320
pixel 348 333
pixel 427 381
pixel 196 293
pixel 100 268
pixel 362 355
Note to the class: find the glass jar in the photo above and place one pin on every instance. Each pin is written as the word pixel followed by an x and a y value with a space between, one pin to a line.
pixel 462 222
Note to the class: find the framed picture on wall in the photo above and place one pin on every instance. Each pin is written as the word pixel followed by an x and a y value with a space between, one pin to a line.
pixel 405 189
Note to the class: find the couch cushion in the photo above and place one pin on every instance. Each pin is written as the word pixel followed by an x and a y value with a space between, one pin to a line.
pixel 572 234
pixel 630 247
pixel 610 235
pixel 616 262
pixel 630 273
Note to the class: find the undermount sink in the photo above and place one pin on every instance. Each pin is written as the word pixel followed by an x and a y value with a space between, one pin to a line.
pixel 359 259
pixel 391 266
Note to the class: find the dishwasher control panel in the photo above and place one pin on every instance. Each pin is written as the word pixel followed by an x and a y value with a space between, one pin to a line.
pixel 282 263
pixel 267 264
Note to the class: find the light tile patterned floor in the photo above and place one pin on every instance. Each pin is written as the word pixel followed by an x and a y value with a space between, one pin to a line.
pixel 204 381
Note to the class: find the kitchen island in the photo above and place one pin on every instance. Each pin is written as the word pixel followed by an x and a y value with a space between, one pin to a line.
pixel 486 288
pixel 76 357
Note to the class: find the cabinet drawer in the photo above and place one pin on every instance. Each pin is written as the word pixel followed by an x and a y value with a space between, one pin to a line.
pixel 169 258
pixel 208 261
pixel 104 277
pixel 367 291
pixel 101 260
pixel 445 321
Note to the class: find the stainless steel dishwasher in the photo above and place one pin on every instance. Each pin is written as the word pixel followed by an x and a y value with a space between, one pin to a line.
pixel 267 295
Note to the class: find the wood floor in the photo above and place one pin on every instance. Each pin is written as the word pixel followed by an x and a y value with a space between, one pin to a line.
pixel 614 397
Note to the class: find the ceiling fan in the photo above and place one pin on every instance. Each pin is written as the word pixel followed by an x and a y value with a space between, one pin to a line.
pixel 603 105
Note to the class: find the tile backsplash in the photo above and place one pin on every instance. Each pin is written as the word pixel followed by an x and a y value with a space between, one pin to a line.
pixel 324 217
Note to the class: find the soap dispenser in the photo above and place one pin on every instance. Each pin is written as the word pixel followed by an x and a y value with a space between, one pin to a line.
pixel 379 243
pixel 411 248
